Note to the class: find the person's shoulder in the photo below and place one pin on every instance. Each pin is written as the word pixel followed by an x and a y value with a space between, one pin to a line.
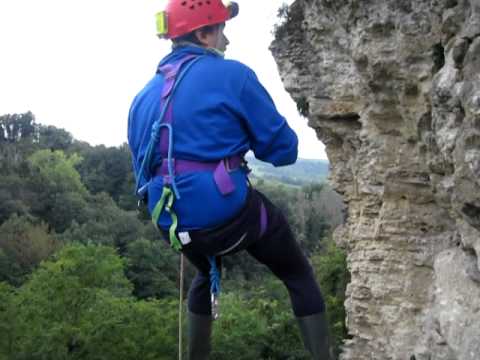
pixel 223 63
pixel 233 68
pixel 237 65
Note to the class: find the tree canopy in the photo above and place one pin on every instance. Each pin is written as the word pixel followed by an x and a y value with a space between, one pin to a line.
pixel 84 274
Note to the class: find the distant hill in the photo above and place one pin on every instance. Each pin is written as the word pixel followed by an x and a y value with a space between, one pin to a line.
pixel 304 171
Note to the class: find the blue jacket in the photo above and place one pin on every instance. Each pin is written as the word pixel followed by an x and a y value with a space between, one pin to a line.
pixel 220 109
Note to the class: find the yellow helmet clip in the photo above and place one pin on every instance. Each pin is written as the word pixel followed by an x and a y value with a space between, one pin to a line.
pixel 162 24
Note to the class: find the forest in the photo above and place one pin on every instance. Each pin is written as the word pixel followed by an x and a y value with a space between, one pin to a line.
pixel 85 275
pixel 303 172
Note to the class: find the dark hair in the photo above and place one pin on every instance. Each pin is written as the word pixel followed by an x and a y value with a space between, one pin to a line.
pixel 192 38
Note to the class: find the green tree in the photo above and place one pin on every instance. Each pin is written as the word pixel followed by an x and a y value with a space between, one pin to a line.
pixel 282 339
pixel 13 194
pixel 57 171
pixel 109 169
pixel 103 222
pixel 7 321
pixel 152 267
pixel 24 243
pixel 238 332
pixel 53 138
pixel 331 271
pixel 60 194
pixel 129 329
pixel 79 307
pixel 257 325
pixel 18 136
pixel 17 127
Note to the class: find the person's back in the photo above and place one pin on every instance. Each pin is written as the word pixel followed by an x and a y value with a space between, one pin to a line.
pixel 189 129
pixel 220 110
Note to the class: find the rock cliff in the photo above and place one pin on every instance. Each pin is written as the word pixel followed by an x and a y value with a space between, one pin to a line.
pixel 392 88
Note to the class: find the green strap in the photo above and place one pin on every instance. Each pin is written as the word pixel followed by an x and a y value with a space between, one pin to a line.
pixel 166 200
pixel 159 207
pixel 174 242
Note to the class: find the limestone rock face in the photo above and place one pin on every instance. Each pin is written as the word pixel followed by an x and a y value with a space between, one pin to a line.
pixel 392 87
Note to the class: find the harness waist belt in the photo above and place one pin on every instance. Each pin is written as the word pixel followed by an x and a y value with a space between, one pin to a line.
pixel 181 166
pixel 221 170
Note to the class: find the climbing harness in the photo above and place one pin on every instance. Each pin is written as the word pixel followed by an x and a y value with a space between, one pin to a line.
pixel 162 140
pixel 173 77
pixel 162 133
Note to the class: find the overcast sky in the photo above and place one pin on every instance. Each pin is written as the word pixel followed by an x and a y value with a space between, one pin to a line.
pixel 77 64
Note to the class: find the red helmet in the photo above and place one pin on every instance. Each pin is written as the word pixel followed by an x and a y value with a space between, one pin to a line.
pixel 184 16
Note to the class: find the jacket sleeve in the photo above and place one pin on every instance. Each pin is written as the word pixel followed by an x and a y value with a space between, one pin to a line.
pixel 271 139
pixel 133 139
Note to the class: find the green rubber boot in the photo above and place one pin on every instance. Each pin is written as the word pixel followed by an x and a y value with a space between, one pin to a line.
pixel 314 330
pixel 199 336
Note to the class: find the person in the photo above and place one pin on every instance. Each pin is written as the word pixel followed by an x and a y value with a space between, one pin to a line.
pixel 189 129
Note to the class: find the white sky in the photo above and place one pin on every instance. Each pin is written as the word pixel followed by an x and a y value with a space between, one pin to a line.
pixel 77 64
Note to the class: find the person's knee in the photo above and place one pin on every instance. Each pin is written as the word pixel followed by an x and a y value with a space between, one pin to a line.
pixel 199 295
pixel 200 282
pixel 306 296
pixel 295 271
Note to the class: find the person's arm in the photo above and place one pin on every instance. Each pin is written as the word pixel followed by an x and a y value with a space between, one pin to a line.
pixel 271 139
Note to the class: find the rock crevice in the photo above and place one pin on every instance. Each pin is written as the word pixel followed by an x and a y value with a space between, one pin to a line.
pixel 392 87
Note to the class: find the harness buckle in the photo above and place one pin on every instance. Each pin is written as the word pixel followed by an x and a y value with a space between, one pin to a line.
pixel 226 162
pixel 228 165
pixel 244 165
pixel 142 196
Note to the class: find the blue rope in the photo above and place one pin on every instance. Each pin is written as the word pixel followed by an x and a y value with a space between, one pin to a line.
pixel 169 158
pixel 154 138
pixel 145 173
pixel 214 276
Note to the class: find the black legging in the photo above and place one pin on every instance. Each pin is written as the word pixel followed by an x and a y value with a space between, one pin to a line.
pixel 277 249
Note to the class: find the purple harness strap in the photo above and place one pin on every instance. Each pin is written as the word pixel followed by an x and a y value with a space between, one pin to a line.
pixel 220 169
pixel 170 72
pixel 181 166
pixel 222 179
